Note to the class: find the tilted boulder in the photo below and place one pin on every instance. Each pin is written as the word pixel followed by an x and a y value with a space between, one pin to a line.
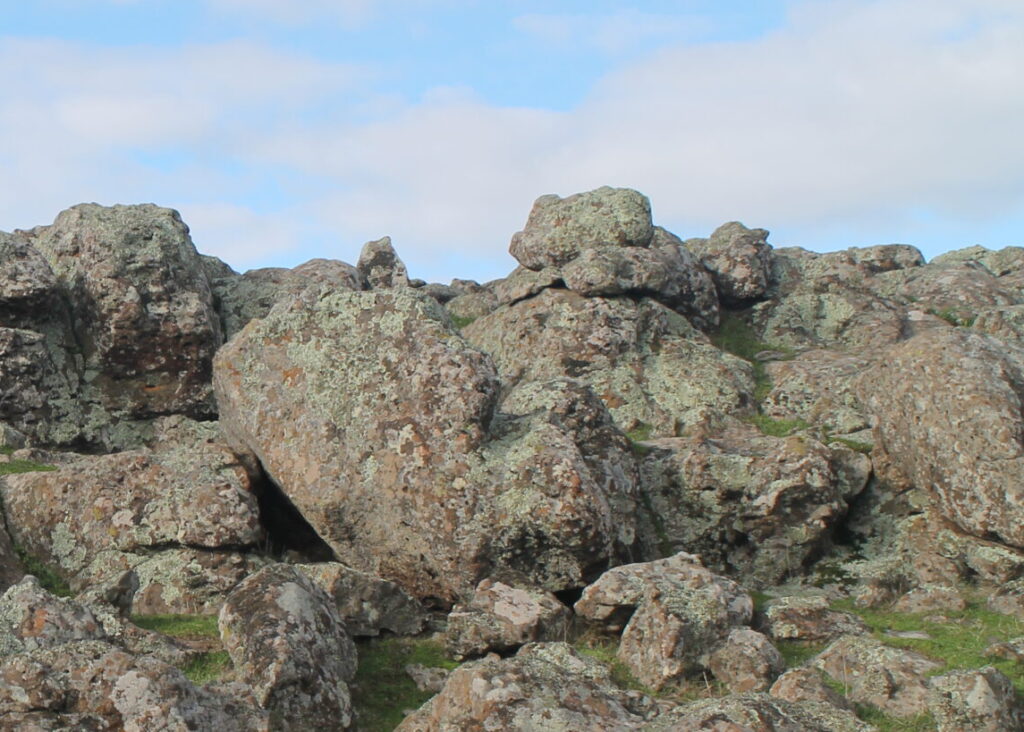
pixel 372 415
pixel 983 700
pixel 380 266
pixel 653 370
pixel 754 506
pixel 808 618
pixel 746 661
pixel 739 260
pixel 287 641
pixel 178 515
pixel 948 405
pixel 544 686
pixel 501 617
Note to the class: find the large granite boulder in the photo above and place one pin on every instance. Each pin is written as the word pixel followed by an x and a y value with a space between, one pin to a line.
pixel 654 371
pixel 287 641
pixel 981 700
pixel 544 686
pixel 372 415
pixel 948 405
pixel 757 507
pixel 179 515
pixel 367 604
pixel 380 267
pixel 739 260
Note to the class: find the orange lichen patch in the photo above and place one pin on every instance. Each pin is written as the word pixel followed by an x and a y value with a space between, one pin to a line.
pixel 290 376
pixel 35 624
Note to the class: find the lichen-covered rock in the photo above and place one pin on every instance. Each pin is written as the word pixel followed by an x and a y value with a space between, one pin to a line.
pixel 1005 323
pixel 98 516
pixel 522 283
pixel 31 618
pixel 949 421
pixel 818 387
pixel 559 229
pixel 1008 599
pixel 892 679
pixel 367 604
pixel 653 370
pixel 746 661
pixel 808 619
pixel 739 260
pixel 757 712
pixel 807 684
pixel 380 266
pixel 678 612
pixel 930 598
pixel 981 700
pixel 501 617
pixel 10 566
pixel 372 414
pixel 240 298
pixel 755 506
pixel 142 307
pixel 544 686
pixel 287 641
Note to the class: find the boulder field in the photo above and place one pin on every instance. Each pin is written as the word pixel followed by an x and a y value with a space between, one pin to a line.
pixel 637 466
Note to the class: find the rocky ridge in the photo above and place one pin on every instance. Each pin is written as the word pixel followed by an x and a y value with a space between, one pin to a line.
pixel 636 471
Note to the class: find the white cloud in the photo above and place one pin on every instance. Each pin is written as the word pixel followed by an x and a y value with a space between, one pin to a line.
pixel 612 32
pixel 238 234
pixel 348 13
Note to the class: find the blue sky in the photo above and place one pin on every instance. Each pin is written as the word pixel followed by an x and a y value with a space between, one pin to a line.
pixel 289 130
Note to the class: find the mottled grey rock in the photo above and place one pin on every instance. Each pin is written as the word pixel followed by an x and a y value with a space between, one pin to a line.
pixel 807 684
pixel 1001 262
pixel 652 369
pixel 501 617
pixel 808 619
pixel 367 604
pixel 544 686
pixel 31 618
pixel 739 260
pixel 981 700
pixel 380 266
pixel 819 387
pixel 1008 599
pixel 760 712
pixel 288 643
pixel 948 405
pixel 892 679
pixel 523 283
pixel 930 598
pixel 559 229
pixel 753 506
pixel 746 661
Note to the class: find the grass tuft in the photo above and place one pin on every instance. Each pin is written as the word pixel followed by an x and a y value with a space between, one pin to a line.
pixel 735 336
pixel 461 321
pixel 206 667
pixel 187 627
pixel 382 692
pixel 17 466
pixel 796 652
pixel 777 427
pixel 49 578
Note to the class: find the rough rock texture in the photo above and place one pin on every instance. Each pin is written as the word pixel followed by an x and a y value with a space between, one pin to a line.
pixel 949 421
pixel 930 598
pixel 819 387
pixel 652 369
pixel 747 661
pixel 367 604
pixel 808 619
pixel 240 298
pixel 560 229
pixel 678 612
pixel 372 414
pixel 759 713
pixel 892 679
pixel 142 309
pixel 501 617
pixel 753 506
pixel 380 266
pixel 97 516
pixel 544 686
pixel 288 643
pixel 739 260
pixel 60 670
pixel 807 684
pixel 983 700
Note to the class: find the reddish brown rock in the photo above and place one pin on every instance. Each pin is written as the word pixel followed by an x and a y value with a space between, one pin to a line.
pixel 747 661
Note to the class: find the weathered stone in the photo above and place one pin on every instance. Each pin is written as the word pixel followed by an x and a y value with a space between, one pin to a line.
pixel 818 387
pixel 678 612
pixel 807 684
pixel 930 598
pixel 380 266
pixel 371 413
pixel 466 308
pixel 501 617
pixel 288 643
pixel 523 283
pixel 428 678
pixel 544 686
pixel 31 618
pixel 1011 650
pixel 1005 323
pixel 559 229
pixel 949 421
pixel 892 679
pixel 98 516
pixel 755 506
pixel 142 307
pixel 981 700
pixel 757 713
pixel 808 619
pixel 10 566
pixel 367 604
pixel 747 661
pixel 739 260
pixel 1000 262
pixel 1008 599
pixel 653 370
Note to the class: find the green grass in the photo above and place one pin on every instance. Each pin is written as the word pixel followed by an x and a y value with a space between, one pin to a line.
pixel 735 336
pixel 382 691
pixel 777 427
pixel 638 435
pixel 861 447
pixel 49 578
pixel 188 627
pixel 18 465
pixel 959 643
pixel 953 317
pixel 886 723
pixel 605 650
pixel 461 321
pixel 796 653
pixel 206 667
